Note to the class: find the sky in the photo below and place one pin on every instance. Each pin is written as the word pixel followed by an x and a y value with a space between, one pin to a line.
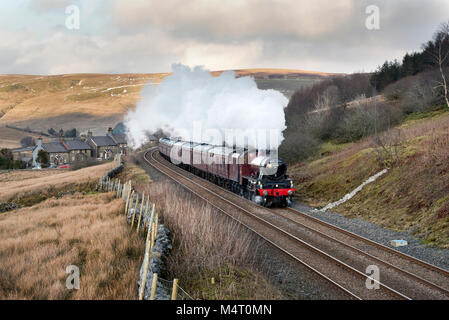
pixel 146 36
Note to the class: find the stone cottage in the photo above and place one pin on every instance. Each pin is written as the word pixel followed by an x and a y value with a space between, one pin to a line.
pixel 83 148
pixel 58 154
pixel 103 147
pixel 79 150
pixel 120 141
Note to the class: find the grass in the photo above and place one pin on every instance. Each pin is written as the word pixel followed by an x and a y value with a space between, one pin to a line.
pixel 88 231
pixel 206 245
pixel 412 196
pixel 136 174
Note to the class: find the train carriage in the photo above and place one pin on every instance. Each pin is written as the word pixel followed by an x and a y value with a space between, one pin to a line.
pixel 200 158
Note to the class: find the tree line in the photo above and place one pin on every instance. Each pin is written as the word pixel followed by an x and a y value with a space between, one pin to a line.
pixel 433 53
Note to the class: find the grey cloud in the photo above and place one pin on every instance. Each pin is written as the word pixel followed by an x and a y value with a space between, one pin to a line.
pixel 148 36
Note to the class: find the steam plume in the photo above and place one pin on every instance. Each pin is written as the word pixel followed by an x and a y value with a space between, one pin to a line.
pixel 192 104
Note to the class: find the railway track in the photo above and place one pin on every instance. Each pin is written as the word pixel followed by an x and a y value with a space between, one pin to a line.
pixel 334 254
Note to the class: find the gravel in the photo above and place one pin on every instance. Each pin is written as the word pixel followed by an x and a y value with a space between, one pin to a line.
pixel 438 257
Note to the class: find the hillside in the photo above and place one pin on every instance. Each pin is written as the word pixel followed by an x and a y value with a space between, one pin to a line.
pixel 97 101
pixel 77 100
pixel 61 220
pixel 412 196
pixel 10 138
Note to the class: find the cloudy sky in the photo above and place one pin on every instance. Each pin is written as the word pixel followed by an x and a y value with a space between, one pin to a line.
pixel 117 36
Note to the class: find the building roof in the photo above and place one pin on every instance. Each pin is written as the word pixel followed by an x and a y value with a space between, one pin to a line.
pixel 102 141
pixel 76 144
pixel 120 138
pixel 54 147
pixel 23 149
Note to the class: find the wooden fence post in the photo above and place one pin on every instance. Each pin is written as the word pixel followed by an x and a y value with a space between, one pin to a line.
pixel 147 211
pixel 128 200
pixel 153 286
pixel 118 188
pixel 174 292
pixel 155 229
pixel 135 209
pixel 146 264
pixel 151 226
pixel 141 212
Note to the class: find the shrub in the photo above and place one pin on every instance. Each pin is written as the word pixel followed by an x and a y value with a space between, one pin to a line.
pixel 365 119
pixel 43 158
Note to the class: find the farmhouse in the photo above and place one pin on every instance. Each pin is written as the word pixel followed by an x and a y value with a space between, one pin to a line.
pixel 83 148
pixel 78 149
pixel 58 154
pixel 103 146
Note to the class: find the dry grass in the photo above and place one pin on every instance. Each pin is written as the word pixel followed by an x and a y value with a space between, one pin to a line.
pixel 21 185
pixel 208 244
pixel 39 242
pixel 19 175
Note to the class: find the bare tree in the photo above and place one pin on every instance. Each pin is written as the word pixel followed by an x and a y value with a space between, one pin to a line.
pixel 388 147
pixel 440 54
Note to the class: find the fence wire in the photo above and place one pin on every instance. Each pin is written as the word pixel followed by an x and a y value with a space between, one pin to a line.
pixel 168 286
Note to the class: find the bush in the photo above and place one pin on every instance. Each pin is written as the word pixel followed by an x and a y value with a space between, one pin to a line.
pixel 415 93
pixel 70 133
pixel 365 119
pixel 43 158
pixel 7 160
pixel 297 146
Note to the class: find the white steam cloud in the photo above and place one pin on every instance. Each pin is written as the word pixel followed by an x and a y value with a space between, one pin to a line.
pixel 195 106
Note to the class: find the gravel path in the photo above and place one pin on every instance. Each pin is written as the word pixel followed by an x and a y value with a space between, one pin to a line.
pixel 438 257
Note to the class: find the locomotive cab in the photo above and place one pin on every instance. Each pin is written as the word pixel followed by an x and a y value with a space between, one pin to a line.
pixel 272 185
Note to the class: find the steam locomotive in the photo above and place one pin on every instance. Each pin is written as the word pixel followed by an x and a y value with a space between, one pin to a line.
pixel 249 173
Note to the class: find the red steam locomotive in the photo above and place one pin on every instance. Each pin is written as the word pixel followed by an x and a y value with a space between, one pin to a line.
pixel 250 173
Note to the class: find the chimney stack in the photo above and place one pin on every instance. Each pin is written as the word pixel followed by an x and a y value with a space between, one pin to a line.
pixel 83 137
pixel 61 137
pixel 110 131
pixel 39 142
pixel 89 134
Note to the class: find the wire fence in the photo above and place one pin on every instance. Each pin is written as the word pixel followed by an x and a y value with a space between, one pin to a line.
pixel 141 215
